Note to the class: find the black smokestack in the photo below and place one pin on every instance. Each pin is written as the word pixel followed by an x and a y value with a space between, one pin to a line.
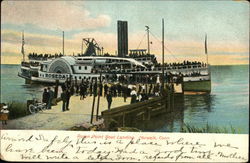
pixel 122 28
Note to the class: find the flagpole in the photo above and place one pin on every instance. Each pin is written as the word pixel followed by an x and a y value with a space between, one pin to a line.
pixel 207 59
pixel 23 46
pixel 206 48
pixel 63 45
pixel 163 55
pixel 147 29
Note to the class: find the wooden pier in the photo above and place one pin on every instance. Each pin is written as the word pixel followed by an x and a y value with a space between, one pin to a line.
pixel 127 115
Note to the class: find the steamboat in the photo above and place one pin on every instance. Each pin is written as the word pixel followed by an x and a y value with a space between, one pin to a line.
pixel 135 66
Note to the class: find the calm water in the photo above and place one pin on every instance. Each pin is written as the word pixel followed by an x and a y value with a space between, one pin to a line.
pixel 227 105
pixel 13 88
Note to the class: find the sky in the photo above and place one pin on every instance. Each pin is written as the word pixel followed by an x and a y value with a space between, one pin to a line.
pixel 186 23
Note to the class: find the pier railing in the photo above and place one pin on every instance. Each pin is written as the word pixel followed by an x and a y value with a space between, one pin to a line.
pixel 128 114
pixel 178 69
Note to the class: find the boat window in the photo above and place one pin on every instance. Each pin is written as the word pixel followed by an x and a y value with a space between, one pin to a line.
pixel 80 67
pixel 80 77
pixel 86 68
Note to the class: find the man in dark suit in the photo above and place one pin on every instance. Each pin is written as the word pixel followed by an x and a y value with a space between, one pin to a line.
pixel 45 97
pixel 95 88
pixel 109 99
pixel 105 90
pixel 64 100
pixel 51 97
pixel 68 94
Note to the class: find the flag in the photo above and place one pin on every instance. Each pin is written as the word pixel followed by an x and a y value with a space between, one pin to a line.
pixel 206 44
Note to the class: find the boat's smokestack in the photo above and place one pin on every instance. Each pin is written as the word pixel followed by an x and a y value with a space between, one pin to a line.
pixel 122 29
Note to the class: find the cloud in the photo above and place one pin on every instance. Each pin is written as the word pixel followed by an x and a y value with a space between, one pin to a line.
pixel 220 53
pixel 11 42
pixel 51 15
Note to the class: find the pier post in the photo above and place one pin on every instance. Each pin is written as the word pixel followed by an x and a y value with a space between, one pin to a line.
pixel 93 107
pixel 98 100
pixel 172 97
pixel 123 119
pixel 92 112
pixel 169 99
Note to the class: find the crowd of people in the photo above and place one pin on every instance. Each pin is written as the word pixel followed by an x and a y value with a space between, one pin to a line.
pixel 106 89
pixel 36 56
pixel 148 78
pixel 181 64
pixel 135 55
pixel 131 55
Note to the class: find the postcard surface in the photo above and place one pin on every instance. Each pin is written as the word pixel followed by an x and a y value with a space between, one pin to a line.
pixel 123 81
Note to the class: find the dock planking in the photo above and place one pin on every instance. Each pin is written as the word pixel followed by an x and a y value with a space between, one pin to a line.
pixel 127 115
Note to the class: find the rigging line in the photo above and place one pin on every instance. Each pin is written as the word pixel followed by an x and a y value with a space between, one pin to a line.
pixel 141 41
pixel 165 47
pixel 172 54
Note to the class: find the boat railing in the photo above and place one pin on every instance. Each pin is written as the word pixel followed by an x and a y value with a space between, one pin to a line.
pixel 175 68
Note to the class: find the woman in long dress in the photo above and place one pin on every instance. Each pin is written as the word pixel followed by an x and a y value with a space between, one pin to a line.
pixel 133 96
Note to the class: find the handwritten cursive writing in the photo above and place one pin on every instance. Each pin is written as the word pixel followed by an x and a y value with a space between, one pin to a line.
pixel 103 146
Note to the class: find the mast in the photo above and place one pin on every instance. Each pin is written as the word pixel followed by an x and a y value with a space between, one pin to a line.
pixel 82 47
pixel 63 44
pixel 147 29
pixel 22 51
pixel 163 54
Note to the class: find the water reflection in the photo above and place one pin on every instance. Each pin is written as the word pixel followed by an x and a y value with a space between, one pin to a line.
pixel 204 101
pixel 173 122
